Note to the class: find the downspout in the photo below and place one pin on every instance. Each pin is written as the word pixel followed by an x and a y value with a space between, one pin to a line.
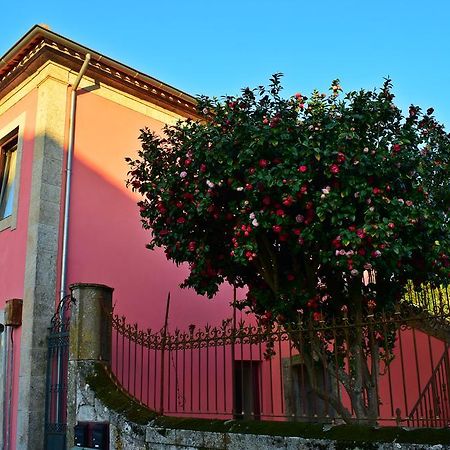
pixel 5 359
pixel 70 149
pixel 65 237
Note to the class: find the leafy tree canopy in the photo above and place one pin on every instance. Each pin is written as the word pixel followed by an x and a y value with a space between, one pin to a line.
pixel 297 198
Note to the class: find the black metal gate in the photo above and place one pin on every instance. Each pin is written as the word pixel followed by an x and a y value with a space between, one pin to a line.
pixel 57 371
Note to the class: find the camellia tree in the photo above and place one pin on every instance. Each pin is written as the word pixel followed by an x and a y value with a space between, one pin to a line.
pixel 319 206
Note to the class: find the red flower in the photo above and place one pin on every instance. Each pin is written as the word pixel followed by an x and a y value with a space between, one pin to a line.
pixel 290 277
pixel 391 225
pixel 280 213
pixel 187 162
pixel 203 168
pixel 248 187
pixel 336 243
pixel 161 208
pixel 360 233
pixel 340 158
pixel 277 228
pixel 376 190
pixel 396 148
pixel 302 169
pixel 334 168
pixel 181 220
pixel 192 246
pixel 284 237
pixel 288 201
pixel 266 200
pixel 297 231
pixel 262 163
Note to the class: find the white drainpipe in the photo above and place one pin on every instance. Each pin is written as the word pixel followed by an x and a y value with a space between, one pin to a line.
pixel 73 103
pixel 65 237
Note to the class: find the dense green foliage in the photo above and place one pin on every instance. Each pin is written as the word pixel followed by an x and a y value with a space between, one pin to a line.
pixel 296 198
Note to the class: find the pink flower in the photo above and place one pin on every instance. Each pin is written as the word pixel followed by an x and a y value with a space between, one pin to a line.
pixel 360 233
pixel 183 174
pixel 250 255
pixel 376 254
pixel 192 246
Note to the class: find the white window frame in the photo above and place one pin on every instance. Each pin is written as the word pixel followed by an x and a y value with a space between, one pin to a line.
pixel 7 132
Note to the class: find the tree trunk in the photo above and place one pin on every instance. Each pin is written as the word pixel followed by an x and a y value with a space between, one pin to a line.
pixel 354 370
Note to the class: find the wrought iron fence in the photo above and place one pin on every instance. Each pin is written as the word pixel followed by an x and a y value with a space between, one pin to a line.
pixel 384 368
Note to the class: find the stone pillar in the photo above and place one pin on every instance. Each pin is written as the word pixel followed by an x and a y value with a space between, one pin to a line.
pixel 90 341
pixel 40 282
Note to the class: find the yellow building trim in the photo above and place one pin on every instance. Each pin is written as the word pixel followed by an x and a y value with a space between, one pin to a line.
pixel 64 75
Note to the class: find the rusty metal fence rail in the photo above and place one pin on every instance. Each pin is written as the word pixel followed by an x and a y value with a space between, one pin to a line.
pixel 398 362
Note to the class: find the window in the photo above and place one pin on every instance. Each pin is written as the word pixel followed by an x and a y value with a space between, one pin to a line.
pixel 246 390
pixel 8 157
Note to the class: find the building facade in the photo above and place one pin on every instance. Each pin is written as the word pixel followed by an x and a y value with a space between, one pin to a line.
pixel 40 119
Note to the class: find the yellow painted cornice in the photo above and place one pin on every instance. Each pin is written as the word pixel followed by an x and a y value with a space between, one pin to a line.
pixel 40 44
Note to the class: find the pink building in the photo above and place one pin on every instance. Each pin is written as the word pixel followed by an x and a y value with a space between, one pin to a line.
pixel 68 118
pixel 105 242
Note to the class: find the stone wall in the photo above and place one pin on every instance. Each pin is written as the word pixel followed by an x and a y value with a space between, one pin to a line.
pixel 94 396
pixel 128 435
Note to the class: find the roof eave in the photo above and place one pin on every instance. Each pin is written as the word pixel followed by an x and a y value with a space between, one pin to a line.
pixel 38 33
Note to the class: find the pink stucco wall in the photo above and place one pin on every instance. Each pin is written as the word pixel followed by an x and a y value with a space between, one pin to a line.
pixel 13 241
pixel 107 243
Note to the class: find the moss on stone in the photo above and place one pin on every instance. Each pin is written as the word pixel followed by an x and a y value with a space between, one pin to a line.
pixel 109 393
pixel 346 434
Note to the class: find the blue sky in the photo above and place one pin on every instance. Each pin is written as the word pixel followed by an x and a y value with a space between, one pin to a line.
pixel 217 47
